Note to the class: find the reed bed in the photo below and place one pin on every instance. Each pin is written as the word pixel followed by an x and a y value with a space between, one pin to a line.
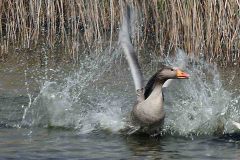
pixel 209 28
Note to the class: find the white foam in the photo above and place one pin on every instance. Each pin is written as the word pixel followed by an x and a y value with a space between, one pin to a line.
pixel 101 92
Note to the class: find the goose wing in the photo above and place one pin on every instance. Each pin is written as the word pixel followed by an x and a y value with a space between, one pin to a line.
pixel 124 39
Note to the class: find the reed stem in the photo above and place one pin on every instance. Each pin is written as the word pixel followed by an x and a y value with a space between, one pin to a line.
pixel 210 28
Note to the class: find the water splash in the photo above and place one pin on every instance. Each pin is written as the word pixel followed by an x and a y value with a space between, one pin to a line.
pixel 99 96
pixel 200 105
pixel 85 99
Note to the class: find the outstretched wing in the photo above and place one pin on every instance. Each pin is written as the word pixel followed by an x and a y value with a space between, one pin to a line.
pixel 124 39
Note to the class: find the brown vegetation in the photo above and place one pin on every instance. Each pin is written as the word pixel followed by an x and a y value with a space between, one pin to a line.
pixel 208 27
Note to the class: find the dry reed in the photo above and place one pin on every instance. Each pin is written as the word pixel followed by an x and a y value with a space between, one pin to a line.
pixel 208 27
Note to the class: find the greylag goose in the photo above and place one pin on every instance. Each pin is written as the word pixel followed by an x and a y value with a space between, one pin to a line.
pixel 149 110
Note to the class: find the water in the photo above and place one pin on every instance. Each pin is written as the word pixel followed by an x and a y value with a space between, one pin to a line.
pixel 80 113
pixel 66 144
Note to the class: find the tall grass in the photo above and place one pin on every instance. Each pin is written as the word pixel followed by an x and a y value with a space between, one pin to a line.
pixel 207 27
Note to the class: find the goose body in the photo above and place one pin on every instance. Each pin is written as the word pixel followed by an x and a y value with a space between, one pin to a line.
pixel 149 110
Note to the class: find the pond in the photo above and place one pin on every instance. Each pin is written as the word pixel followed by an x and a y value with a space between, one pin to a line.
pixel 81 112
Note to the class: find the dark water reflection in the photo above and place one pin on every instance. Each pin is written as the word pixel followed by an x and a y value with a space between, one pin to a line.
pixel 59 144
pixel 184 148
pixel 40 143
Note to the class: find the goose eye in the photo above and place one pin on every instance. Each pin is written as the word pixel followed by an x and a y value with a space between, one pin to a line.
pixel 172 69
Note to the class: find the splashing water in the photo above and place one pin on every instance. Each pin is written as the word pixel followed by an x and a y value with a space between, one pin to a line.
pixel 100 94
pixel 82 100
pixel 200 105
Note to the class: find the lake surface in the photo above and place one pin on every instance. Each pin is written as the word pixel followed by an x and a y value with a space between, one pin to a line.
pixel 80 113
pixel 67 144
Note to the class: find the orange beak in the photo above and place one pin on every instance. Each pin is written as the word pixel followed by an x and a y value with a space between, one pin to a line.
pixel 182 75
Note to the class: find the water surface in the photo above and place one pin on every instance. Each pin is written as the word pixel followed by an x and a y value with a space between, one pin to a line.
pixel 79 113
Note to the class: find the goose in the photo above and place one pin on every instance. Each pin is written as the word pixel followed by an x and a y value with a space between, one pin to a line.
pixel 148 110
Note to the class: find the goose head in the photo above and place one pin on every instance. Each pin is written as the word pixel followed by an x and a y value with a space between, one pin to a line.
pixel 171 73
pixel 162 75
